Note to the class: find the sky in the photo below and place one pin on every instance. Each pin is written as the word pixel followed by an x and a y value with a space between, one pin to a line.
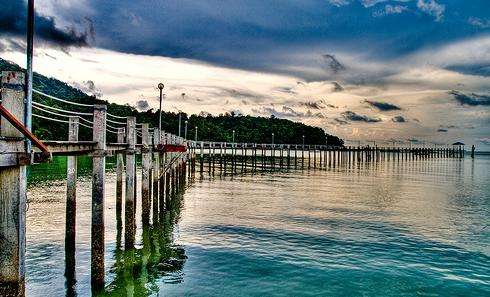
pixel 403 71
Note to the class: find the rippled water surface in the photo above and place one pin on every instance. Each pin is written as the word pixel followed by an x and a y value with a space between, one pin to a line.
pixel 391 229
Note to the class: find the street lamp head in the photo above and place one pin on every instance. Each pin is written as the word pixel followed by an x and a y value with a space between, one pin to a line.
pixel 186 121
pixel 160 86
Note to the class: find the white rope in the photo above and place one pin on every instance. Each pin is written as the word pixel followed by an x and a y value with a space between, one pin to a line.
pixel 115 122
pixel 61 100
pixel 112 127
pixel 90 122
pixel 116 117
pixel 51 112
pixel 62 110
pixel 49 119
pixel 86 126
pixel 109 130
pixel 63 115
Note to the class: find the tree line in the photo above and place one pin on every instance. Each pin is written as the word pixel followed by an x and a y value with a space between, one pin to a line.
pixel 216 128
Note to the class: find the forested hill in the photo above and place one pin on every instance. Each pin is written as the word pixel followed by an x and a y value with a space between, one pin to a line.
pixel 210 128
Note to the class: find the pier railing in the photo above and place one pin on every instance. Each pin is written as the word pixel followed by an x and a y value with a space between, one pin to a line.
pixel 163 169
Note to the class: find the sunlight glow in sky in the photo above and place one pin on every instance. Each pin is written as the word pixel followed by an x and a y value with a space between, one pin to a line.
pixel 404 70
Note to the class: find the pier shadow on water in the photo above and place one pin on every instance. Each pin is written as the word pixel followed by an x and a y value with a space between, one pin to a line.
pixel 56 268
pixel 137 270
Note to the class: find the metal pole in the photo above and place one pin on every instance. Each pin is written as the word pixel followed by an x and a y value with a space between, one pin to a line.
pixel 180 119
pixel 185 130
pixel 233 137
pixel 195 137
pixel 29 76
pixel 160 86
pixel 272 138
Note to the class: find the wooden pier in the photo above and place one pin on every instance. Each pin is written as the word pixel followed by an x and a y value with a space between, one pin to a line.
pixel 168 161
pixel 231 158
pixel 164 161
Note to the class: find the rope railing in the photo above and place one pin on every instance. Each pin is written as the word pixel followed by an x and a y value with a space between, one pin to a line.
pixel 62 110
pixel 115 122
pixel 49 119
pixel 61 100
pixel 108 129
pixel 116 117
pixel 61 115
pixel 112 127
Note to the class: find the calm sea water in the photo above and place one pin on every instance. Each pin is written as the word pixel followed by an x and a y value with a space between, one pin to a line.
pixel 391 229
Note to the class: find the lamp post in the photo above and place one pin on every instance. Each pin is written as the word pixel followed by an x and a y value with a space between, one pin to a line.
pixel 160 87
pixel 272 138
pixel 180 115
pixel 195 136
pixel 233 138
pixel 180 119
pixel 303 141
pixel 185 130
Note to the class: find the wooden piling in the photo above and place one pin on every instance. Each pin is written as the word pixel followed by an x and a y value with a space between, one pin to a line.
pixel 71 202
pixel 98 189
pixel 119 176
pixel 129 221
pixel 145 174
pixel 13 184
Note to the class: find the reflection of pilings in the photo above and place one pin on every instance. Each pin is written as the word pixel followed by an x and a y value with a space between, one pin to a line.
pixel 137 270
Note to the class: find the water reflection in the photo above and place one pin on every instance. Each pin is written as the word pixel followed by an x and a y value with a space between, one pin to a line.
pixel 360 229
pixel 137 270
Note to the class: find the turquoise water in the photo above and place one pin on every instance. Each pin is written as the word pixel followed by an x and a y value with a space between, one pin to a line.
pixel 391 229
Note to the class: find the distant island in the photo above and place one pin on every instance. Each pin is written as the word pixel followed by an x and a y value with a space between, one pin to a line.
pixel 210 128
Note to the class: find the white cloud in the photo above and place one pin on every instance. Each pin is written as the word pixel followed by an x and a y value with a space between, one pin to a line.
pixel 418 83
pixel 480 23
pixel 432 7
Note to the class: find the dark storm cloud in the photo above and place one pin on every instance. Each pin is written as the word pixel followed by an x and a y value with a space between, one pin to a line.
pixel 332 63
pixel 352 116
pixel 262 35
pixel 337 87
pixel 287 90
pixel 13 18
pixel 239 93
pixel 399 119
pixel 314 104
pixel 471 99
pixel 382 106
pixel 338 121
pixel 286 112
pixel 142 105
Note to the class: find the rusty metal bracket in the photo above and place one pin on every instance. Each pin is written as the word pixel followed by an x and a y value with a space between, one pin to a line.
pixel 45 154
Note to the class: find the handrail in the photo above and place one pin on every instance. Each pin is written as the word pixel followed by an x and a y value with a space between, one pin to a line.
pixel 22 129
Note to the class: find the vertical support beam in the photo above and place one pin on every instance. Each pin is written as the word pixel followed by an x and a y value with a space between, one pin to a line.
pixel 156 174
pixel 129 222
pixel 71 206
pixel 98 187
pixel 119 178
pixel 13 184
pixel 145 174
